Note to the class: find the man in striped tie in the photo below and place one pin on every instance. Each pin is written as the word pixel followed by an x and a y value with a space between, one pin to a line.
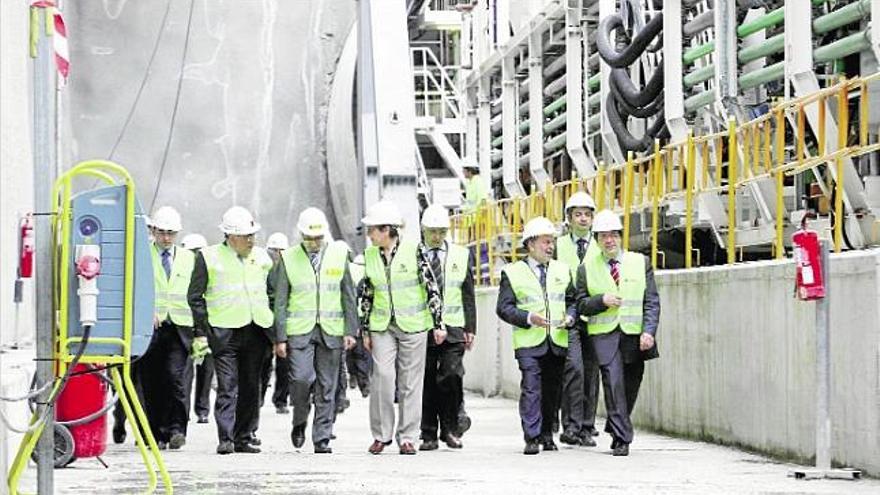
pixel 617 297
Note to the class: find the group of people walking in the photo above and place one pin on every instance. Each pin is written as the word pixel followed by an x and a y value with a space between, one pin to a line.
pixel 404 311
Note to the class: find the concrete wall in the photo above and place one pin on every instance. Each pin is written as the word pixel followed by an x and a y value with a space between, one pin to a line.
pixel 738 357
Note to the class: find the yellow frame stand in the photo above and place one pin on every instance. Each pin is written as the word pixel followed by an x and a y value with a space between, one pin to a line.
pixel 122 383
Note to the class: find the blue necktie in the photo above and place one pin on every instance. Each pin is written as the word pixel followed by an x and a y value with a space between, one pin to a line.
pixel 166 263
pixel 543 277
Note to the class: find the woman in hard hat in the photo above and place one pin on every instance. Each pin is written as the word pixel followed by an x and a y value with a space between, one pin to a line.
pixel 401 302
pixel 617 295
pixel 229 299
pixel 536 297
pixel 580 383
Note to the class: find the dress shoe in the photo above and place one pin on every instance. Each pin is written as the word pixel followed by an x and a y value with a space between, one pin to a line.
pixel 593 432
pixel 452 441
pixel 587 440
pixel 570 438
pixel 464 424
pixel 225 448
pixel 621 450
pixel 281 410
pixel 177 441
pixel 407 448
pixel 377 447
pixel 253 440
pixel 429 445
pixel 614 443
pixel 323 448
pixel 333 436
pixel 202 419
pixel 365 391
pixel 532 448
pixel 550 445
pixel 244 448
pixel 298 435
pixel 118 435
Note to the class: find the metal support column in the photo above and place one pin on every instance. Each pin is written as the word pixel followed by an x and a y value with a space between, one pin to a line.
pixel 536 110
pixel 612 149
pixel 574 91
pixel 509 128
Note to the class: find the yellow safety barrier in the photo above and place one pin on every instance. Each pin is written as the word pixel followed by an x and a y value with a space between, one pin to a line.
pixel 774 147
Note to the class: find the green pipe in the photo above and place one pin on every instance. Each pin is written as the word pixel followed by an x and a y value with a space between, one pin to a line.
pixel 770 46
pixel 698 52
pixel 699 100
pixel 702 74
pixel 843 47
pixel 554 106
pixel 761 76
pixel 593 82
pixel 842 16
pixel 770 19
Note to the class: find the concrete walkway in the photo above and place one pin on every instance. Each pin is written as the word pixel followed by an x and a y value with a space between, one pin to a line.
pixel 491 462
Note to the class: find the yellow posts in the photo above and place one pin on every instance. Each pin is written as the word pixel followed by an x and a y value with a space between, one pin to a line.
pixel 842 129
pixel 705 172
pixel 768 146
pixel 612 189
pixel 821 138
pixel 600 187
pixel 669 163
pixel 627 191
pixel 800 133
pixel 719 158
pixel 731 190
pixel 517 228
pixel 689 201
pixel 863 114
pixel 780 175
pixel 657 172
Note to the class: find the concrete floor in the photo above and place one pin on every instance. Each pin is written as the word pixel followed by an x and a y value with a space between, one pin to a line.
pixel 491 462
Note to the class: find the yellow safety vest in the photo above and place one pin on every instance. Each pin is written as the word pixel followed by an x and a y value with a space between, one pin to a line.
pixel 397 289
pixel 236 293
pixel 531 297
pixel 631 290
pixel 315 298
pixel 566 252
pixel 474 193
pixel 455 271
pixel 171 302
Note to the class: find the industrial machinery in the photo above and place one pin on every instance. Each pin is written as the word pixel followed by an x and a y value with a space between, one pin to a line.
pixel 103 294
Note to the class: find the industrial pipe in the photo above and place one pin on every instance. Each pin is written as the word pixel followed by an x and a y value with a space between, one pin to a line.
pixel 630 54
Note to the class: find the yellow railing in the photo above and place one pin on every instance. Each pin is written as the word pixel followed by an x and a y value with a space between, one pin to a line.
pixel 772 147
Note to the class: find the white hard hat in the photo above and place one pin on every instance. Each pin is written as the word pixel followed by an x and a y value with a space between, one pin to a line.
pixel 194 241
pixel 607 221
pixel 384 212
pixel 148 221
pixel 471 164
pixel 435 217
pixel 312 223
pixel 277 241
pixel 166 218
pixel 538 226
pixel 238 221
pixel 580 199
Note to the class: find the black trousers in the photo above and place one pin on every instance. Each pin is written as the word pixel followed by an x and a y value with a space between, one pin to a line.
pixel 359 364
pixel 166 378
pixel 580 384
pixel 204 375
pixel 281 390
pixel 443 392
pixel 622 369
pixel 239 355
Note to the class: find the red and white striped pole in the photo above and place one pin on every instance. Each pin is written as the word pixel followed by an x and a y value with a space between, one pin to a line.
pixel 58 30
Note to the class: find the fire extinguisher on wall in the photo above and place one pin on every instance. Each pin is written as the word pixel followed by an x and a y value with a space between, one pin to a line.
pixel 809 281
pixel 27 246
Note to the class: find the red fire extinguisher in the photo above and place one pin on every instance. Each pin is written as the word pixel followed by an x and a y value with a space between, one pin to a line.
pixel 27 246
pixel 809 282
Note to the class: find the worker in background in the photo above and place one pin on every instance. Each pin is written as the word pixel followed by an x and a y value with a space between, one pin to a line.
pixel 167 367
pixel 358 359
pixel 315 317
pixel 536 297
pixel 474 188
pixel 275 245
pixel 617 295
pixel 452 267
pixel 232 313
pixel 400 302
pixel 580 383
pixel 204 372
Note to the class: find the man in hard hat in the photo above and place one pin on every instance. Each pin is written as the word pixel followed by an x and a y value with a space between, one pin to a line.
pixel 204 372
pixel 536 297
pixel 275 245
pixel 316 316
pixel 474 189
pixel 452 266
pixel 400 302
pixel 358 359
pixel 166 370
pixel 617 295
pixel 580 383
pixel 230 305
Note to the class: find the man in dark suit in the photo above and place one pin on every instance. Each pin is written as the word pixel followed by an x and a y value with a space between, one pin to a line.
pixel 617 295
pixel 452 266
pixel 536 297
